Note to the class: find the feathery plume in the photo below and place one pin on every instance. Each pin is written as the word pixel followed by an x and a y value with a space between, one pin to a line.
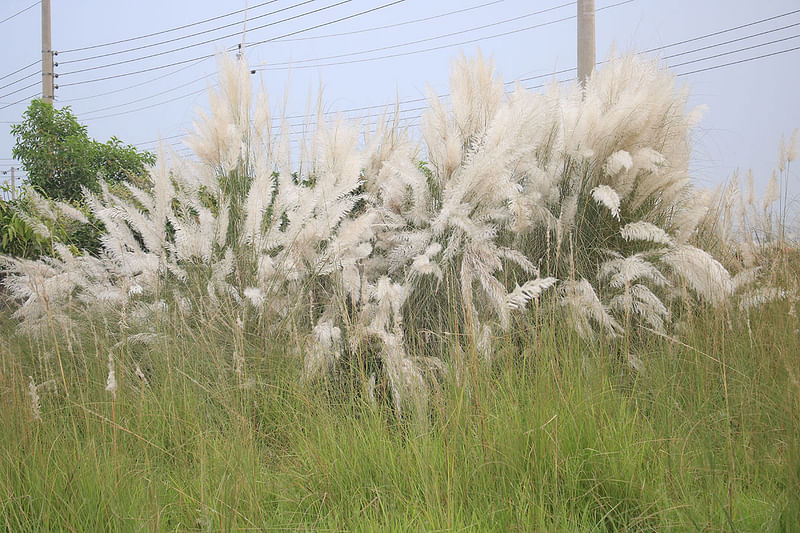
pixel 645 231
pixel 704 274
pixel 608 197
pixel 111 381
pixel 618 161
pixel 35 402
pixel 530 290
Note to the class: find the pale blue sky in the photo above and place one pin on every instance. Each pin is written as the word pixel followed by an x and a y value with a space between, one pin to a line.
pixel 749 104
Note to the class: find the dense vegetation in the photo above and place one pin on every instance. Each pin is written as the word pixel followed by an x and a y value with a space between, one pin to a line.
pixel 532 322
pixel 61 159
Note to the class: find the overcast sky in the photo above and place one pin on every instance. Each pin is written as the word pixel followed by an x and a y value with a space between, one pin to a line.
pixel 750 103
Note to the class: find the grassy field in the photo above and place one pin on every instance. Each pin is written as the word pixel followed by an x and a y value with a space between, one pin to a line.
pixel 553 435
pixel 584 309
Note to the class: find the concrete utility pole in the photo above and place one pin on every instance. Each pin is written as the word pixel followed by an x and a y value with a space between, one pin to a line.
pixel 48 76
pixel 586 41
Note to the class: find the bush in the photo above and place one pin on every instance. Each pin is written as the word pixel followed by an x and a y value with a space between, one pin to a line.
pixel 61 159
pixel 578 197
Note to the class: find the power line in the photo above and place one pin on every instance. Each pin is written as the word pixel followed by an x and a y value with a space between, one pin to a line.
pixel 178 136
pixel 700 37
pixel 424 19
pixel 469 41
pixel 255 44
pixel 759 34
pixel 19 90
pixel 129 39
pixel 145 98
pixel 151 80
pixel 20 69
pixel 150 106
pixel 19 80
pixel 538 76
pixel 189 35
pixel 563 71
pixel 735 51
pixel 501 22
pixel 740 61
pixel 20 12
pixel 304 124
pixel 29 98
pixel 387 26
pixel 216 39
pixel 727 30
pixel 512 19
pixel 714 67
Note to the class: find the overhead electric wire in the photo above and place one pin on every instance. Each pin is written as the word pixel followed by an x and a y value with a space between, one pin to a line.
pixel 311 123
pixel 476 28
pixel 740 61
pixel 713 67
pixel 443 36
pixel 433 17
pixel 470 41
pixel 178 136
pixel 20 69
pixel 529 78
pixel 735 51
pixel 395 25
pixel 237 23
pixel 20 12
pixel 144 98
pixel 208 41
pixel 759 34
pixel 727 30
pixel 28 98
pixel 212 55
pixel 564 70
pixel 273 39
pixel 129 39
pixel 133 86
pixel 700 37
pixel 150 106
pixel 19 80
pixel 19 90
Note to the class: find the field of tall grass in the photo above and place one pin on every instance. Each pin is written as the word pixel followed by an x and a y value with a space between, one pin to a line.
pixel 523 317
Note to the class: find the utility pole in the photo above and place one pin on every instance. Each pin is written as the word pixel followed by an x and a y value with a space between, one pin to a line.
pixel 240 55
pixel 48 76
pixel 586 41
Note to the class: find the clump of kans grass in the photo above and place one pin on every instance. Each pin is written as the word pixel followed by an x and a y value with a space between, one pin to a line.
pixel 364 238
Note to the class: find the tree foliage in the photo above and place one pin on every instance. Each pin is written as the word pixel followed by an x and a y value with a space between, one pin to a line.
pixel 60 157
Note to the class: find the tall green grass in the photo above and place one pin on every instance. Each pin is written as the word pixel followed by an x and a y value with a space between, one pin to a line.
pixel 553 435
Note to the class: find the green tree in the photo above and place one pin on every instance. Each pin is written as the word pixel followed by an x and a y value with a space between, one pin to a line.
pixel 60 158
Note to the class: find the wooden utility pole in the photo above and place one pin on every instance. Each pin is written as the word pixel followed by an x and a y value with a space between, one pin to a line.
pixel 48 76
pixel 13 185
pixel 586 41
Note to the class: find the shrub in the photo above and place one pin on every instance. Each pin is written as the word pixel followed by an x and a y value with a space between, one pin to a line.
pixel 61 159
pixel 582 195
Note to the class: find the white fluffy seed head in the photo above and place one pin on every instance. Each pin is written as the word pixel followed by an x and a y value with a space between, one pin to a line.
pixel 645 231
pixel 618 162
pixel 608 197
pixel 111 380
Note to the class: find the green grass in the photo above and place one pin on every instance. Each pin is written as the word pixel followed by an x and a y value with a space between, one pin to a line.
pixel 554 435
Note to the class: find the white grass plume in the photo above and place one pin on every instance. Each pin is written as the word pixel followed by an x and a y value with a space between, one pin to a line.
pixel 645 231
